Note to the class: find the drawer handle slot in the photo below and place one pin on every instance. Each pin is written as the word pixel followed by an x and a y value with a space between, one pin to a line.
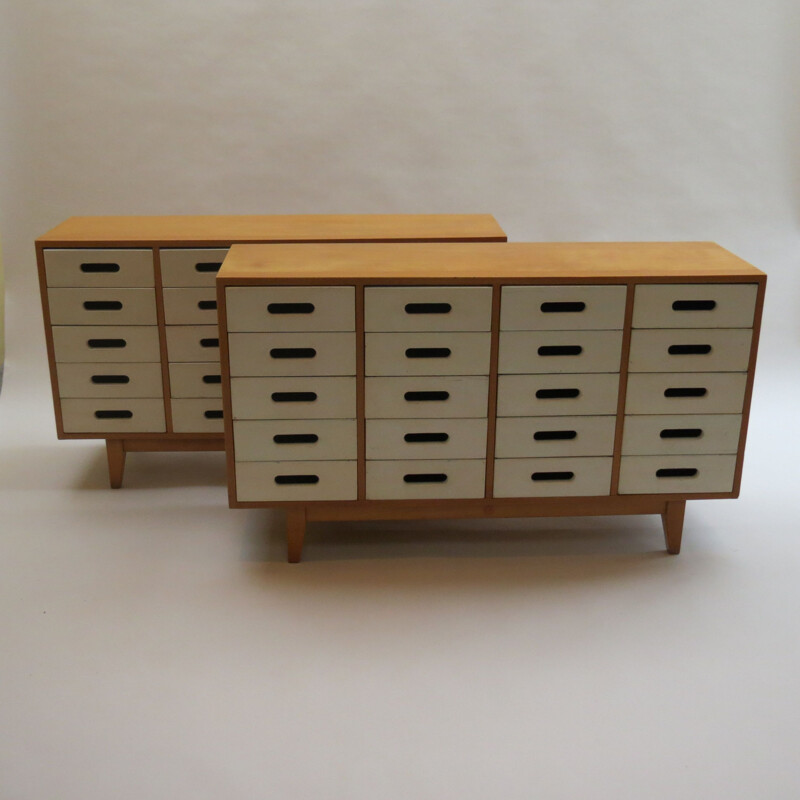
pixel 562 308
pixel 557 394
pixel 207 305
pixel 292 352
pixel 428 352
pixel 681 433
pixel 294 480
pixel 694 305
pixel 295 438
pixel 100 379
pixel 214 413
pixel 552 476
pixel 99 344
pixel 88 267
pixel 290 308
pixel 551 436
pixel 113 414
pixel 425 477
pixel 426 437
pixel 428 308
pixel 294 397
pixel 689 349
pixel 209 343
pixel 690 391
pixel 416 397
pixel 103 305
pixel 212 378
pixel 208 266
pixel 676 472
pixel 560 350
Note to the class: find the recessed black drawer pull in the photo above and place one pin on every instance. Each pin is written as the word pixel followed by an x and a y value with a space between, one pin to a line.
pixel 552 476
pixel 687 392
pixel 113 414
pixel 103 305
pixel 214 413
pixel 207 305
pixel 295 438
pixel 562 308
pixel 560 350
pixel 99 267
pixel 681 433
pixel 556 394
pixel 689 349
pixel 292 352
pixel 290 308
pixel 549 436
pixel 209 343
pixel 288 480
pixel 428 308
pixel 694 305
pixel 99 344
pixel 425 477
pixel 110 379
pixel 414 397
pixel 212 378
pixel 208 266
pixel 426 437
pixel 676 472
pixel 428 352
pixel 293 397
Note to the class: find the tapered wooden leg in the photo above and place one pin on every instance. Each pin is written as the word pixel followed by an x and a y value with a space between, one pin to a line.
pixel 295 532
pixel 672 518
pixel 115 450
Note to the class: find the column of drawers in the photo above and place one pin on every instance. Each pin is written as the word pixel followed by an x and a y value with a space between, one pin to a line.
pixel 558 384
pixel 292 357
pixel 105 337
pixel 427 363
pixel 690 351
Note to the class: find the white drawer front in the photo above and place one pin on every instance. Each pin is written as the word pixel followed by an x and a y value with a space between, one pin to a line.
pixel 552 477
pixel 314 353
pixel 113 415
pixel 296 481
pixel 427 353
pixel 524 352
pixel 695 305
pixel 202 415
pixel 531 437
pixel 90 267
pixel 560 308
pixel 295 440
pixel 700 349
pixel 110 380
pixel 428 308
pixel 687 474
pixel 102 306
pixel 679 434
pixel 191 267
pixel 424 479
pixel 425 397
pixel 556 395
pixel 193 342
pixel 201 379
pixel 190 306
pixel 293 398
pixel 105 344
pixel 686 393
pixel 426 438
pixel 291 308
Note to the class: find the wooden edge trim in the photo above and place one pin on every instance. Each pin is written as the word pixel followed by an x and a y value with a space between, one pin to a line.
pixel 162 339
pixel 491 411
pixel 361 419
pixel 222 323
pixel 627 333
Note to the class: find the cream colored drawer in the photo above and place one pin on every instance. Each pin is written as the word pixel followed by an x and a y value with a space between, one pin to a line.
pixel 428 308
pixel 191 267
pixel 102 306
pixel 426 397
pixel 291 308
pixel 427 353
pixel 686 393
pixel 679 434
pixel 90 267
pixel 687 474
pixel 695 305
pixel 190 306
pixel 193 342
pixel 113 415
pixel 559 351
pixel 559 308
pixel 556 395
pixel 314 353
pixel 296 481
pixel 295 440
pixel 110 380
pixel 425 480
pixel 552 477
pixel 530 437
pixel 426 438
pixel 293 398
pixel 104 344
pixel 202 415
pixel 201 379
pixel 701 349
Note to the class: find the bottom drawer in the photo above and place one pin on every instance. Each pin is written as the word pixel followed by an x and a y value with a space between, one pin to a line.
pixel 409 480
pixel 113 415
pixel 295 481
pixel 197 416
pixel 552 477
pixel 676 474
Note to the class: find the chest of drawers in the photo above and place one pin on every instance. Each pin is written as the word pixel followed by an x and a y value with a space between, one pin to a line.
pixel 429 381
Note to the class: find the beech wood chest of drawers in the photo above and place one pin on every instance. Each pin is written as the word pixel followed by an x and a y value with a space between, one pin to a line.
pixel 479 379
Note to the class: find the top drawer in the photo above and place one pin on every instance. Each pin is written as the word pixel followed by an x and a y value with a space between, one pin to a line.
pixel 92 267
pixel 191 267
pixel 695 305
pixel 291 308
pixel 428 308
pixel 562 308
